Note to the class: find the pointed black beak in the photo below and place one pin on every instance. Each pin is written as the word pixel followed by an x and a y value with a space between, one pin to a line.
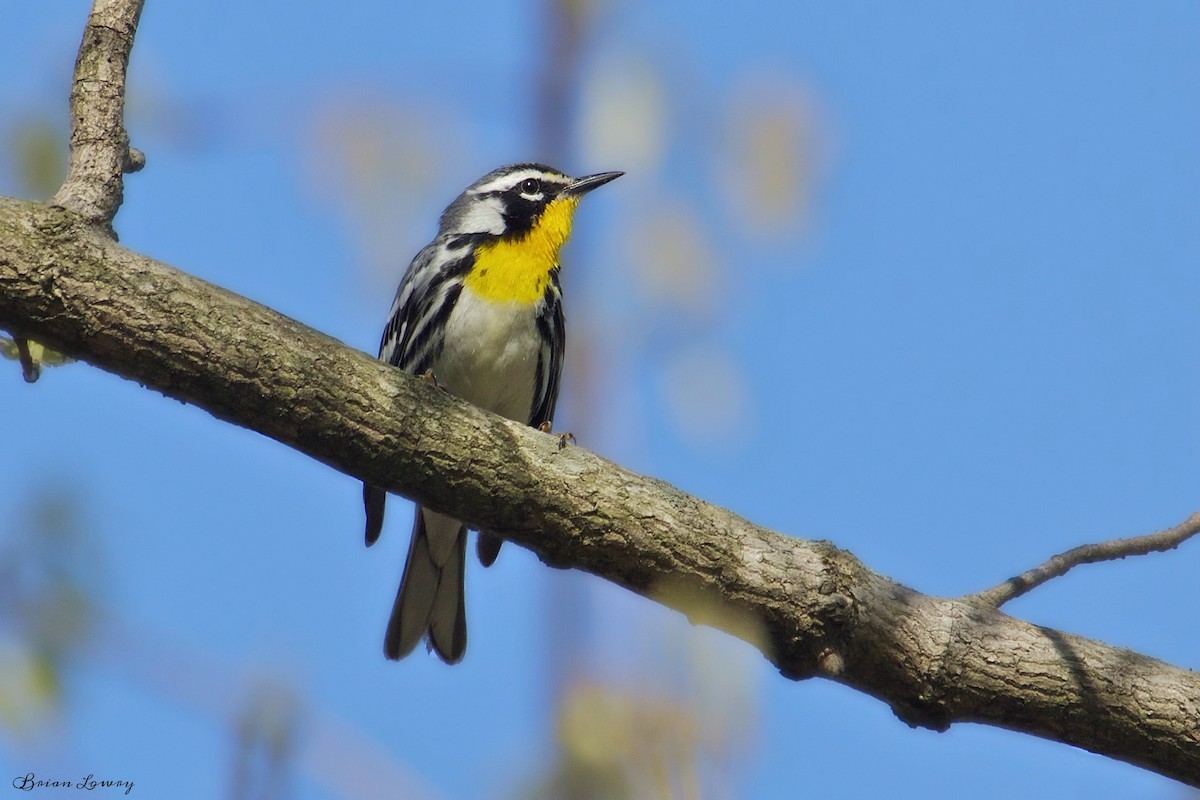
pixel 582 186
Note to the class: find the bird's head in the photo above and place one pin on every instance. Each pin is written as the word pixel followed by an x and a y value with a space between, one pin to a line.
pixel 516 201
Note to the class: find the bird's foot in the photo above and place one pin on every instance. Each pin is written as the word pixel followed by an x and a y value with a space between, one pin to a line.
pixel 563 439
pixel 428 377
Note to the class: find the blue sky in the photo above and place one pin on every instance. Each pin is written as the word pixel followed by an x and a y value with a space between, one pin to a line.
pixel 979 349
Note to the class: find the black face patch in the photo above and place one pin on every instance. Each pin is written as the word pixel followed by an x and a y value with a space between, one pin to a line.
pixel 521 212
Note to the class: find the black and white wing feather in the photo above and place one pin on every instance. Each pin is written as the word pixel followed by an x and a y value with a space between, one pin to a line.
pixel 416 325
pixel 552 330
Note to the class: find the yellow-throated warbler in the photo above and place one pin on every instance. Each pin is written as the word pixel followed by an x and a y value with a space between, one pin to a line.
pixel 481 308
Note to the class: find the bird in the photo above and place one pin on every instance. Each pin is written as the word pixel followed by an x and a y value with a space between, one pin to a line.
pixel 479 312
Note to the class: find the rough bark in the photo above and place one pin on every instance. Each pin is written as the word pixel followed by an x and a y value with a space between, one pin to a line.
pixel 100 152
pixel 812 609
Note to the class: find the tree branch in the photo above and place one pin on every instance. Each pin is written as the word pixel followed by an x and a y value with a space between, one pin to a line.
pixel 812 609
pixel 1111 550
pixel 100 152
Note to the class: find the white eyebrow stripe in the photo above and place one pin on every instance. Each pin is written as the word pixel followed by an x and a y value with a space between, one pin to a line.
pixel 506 182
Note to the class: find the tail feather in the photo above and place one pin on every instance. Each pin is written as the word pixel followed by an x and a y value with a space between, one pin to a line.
pixel 374 501
pixel 487 547
pixel 448 622
pixel 414 598
pixel 430 600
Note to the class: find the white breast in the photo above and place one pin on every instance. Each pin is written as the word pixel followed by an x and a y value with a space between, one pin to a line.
pixel 490 354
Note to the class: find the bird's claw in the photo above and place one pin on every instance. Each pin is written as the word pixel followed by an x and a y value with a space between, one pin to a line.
pixel 563 439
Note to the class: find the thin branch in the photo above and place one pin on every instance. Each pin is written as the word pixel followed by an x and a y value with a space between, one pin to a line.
pixel 1063 563
pixel 100 151
pixel 812 609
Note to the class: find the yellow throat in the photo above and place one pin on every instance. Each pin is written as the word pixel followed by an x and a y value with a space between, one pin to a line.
pixel 517 270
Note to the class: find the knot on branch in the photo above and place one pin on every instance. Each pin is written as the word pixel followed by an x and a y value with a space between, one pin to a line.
pixel 134 161
pixel 932 715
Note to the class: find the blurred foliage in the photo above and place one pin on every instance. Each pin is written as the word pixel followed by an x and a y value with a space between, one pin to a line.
pixel 706 395
pixel 690 245
pixel 265 743
pixel 50 571
pixel 770 158
pixel 376 161
pixel 676 720
pixel 672 262
pixel 38 149
pixel 29 687
pixel 679 733
pixel 634 138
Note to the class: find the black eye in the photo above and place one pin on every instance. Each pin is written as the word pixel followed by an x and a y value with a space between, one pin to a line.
pixel 531 186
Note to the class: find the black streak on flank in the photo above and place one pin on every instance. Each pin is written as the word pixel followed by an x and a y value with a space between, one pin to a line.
pixel 436 323
pixel 467 240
